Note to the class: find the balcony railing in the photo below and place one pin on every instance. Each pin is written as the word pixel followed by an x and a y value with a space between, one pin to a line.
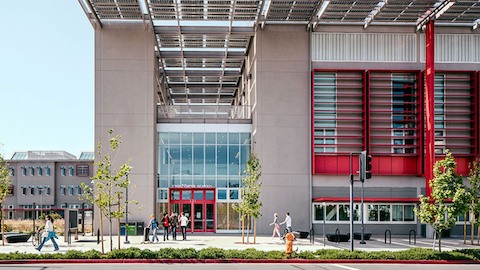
pixel 185 112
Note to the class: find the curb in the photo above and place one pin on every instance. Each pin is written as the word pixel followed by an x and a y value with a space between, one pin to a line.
pixel 229 261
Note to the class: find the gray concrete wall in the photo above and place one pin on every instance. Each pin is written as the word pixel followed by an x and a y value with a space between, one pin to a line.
pixel 280 98
pixel 125 102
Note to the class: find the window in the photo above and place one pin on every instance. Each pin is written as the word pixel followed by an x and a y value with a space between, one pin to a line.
pixel 79 190
pixel 63 171
pixel 325 140
pixel 440 114
pixel 24 190
pixel 32 190
pixel 12 170
pixel 48 170
pixel 83 170
pixel 325 112
pixel 32 170
pixel 71 171
pixel 403 114
pixel 70 190
pixel 47 190
pixel 62 190
pixel 40 170
pixel 40 190
pixel 374 213
pixel 162 194
pixel 24 171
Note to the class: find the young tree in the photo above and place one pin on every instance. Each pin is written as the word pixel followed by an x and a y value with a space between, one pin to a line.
pixel 5 184
pixel 250 205
pixel 449 198
pixel 474 191
pixel 108 185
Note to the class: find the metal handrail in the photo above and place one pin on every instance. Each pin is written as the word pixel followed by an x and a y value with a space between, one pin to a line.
pixel 389 235
pixel 240 112
pixel 414 237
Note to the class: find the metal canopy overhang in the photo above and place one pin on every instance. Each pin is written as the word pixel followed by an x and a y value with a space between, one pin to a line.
pixel 201 45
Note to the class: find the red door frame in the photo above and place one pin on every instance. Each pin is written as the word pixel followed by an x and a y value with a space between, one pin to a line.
pixel 192 201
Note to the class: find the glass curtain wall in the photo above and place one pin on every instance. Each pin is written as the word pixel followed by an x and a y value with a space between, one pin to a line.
pixel 204 159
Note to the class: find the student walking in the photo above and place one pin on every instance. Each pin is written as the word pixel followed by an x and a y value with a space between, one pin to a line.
pixel 287 222
pixel 173 225
pixel 153 225
pixel 276 227
pixel 165 223
pixel 49 234
pixel 183 225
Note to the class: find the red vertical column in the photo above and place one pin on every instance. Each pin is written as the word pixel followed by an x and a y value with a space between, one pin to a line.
pixel 429 103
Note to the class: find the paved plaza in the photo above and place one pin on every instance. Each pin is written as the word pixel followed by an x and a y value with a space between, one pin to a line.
pixel 266 243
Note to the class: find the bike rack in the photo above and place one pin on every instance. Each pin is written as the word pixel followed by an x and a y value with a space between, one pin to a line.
pixel 337 235
pixel 414 237
pixel 389 235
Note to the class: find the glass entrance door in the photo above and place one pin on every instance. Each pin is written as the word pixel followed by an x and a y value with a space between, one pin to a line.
pixel 197 204
pixel 199 218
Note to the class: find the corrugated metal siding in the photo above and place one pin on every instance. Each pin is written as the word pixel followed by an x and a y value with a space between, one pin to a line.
pixel 454 48
pixel 361 47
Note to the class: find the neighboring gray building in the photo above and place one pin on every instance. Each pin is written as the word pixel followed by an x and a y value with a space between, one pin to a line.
pixel 194 86
pixel 47 181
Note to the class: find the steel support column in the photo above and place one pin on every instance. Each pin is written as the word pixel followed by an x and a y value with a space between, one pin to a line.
pixel 429 103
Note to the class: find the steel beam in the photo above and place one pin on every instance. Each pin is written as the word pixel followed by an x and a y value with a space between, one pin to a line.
pixel 429 104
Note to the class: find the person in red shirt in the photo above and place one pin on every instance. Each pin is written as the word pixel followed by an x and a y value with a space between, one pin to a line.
pixel 165 224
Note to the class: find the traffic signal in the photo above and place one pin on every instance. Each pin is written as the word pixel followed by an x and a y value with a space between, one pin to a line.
pixel 365 165
pixel 368 167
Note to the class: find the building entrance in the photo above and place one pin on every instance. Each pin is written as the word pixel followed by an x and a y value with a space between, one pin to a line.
pixel 198 205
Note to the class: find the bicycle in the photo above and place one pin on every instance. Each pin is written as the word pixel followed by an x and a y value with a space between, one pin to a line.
pixel 37 237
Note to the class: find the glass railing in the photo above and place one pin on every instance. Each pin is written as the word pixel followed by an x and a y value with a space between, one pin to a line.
pixel 226 112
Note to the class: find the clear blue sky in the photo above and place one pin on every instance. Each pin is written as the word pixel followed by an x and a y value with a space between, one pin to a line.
pixel 46 77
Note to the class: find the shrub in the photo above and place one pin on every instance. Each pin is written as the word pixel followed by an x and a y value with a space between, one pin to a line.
pixel 211 253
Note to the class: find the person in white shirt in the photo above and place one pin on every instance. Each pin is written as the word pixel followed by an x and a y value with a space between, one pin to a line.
pixel 287 222
pixel 183 225
pixel 49 234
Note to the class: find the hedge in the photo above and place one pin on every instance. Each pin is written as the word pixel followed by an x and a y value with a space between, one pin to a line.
pixel 252 254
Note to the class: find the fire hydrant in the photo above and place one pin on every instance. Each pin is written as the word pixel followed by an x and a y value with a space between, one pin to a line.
pixel 289 237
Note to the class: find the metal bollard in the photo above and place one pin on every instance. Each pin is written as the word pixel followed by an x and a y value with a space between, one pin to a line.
pixel 98 236
pixel 414 237
pixel 390 236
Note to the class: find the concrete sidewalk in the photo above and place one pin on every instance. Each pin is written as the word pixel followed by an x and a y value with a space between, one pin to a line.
pixel 266 243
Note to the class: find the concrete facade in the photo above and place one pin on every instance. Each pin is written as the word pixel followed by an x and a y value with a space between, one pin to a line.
pixel 125 102
pixel 48 182
pixel 281 126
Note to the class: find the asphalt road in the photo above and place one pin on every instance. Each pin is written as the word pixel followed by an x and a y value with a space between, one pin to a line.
pixel 238 266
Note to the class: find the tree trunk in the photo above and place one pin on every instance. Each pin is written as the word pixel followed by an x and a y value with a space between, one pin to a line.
pixel 434 239
pixel 248 229
pixel 440 241
pixel 101 231
pixel 472 232
pixel 118 219
pixel 3 222
pixel 243 229
pixel 254 230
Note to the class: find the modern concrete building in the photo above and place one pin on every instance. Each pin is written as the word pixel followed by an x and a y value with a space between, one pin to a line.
pixel 47 181
pixel 192 86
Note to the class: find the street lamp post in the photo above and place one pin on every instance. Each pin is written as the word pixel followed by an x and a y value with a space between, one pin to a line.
pixel 126 213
